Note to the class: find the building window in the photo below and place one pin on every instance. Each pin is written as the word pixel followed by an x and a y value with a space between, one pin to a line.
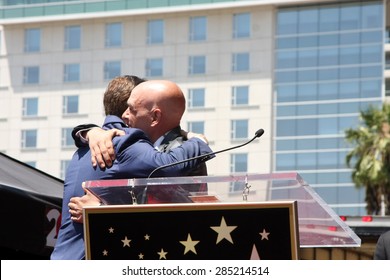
pixel 241 25
pixel 64 167
pixel 238 164
pixel 72 37
pixel 30 107
pixel 239 129
pixel 155 32
pixel 70 104
pixel 154 67
pixel 240 62
pixel 196 126
pixel 198 29
pixel 66 138
pixel 197 65
pixel 29 138
pixel 31 75
pixel 72 72
pixel 196 98
pixel 32 40
pixel 113 35
pixel 240 95
pixel 112 69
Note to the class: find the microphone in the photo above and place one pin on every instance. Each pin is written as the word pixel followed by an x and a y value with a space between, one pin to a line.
pixel 203 158
pixel 208 156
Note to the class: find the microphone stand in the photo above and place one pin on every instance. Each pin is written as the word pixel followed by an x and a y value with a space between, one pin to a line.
pixel 203 158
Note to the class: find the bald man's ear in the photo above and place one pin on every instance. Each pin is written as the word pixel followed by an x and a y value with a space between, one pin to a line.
pixel 156 116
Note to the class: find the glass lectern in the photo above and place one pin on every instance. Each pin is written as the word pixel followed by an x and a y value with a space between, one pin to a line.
pixel 318 224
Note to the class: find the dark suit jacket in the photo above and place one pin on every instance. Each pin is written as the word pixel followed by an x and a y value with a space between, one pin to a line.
pixel 77 140
pixel 174 139
pixel 382 250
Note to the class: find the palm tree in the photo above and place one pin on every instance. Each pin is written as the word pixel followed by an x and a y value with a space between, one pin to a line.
pixel 370 157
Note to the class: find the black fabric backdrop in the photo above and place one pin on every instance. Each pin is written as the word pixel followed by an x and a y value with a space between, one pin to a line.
pixel 30 207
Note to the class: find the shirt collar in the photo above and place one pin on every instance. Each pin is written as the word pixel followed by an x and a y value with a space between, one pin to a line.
pixel 158 142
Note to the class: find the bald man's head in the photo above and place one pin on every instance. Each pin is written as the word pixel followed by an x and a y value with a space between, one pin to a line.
pixel 156 107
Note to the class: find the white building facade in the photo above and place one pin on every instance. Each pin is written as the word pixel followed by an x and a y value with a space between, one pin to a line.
pixel 301 70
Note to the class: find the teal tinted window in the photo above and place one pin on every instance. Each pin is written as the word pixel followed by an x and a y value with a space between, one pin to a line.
pixel 286 59
pixel 287 43
pixel 198 29
pixel 328 40
pixel 285 162
pixel 72 37
pixel 328 74
pixel 350 17
pixel 307 58
pixel 285 128
pixel 371 36
pixel 287 22
pixel 307 92
pixel 327 125
pixel 371 15
pixel 306 127
pixel 328 143
pixel 113 35
pixel 307 41
pixel 327 108
pixel 328 91
pixel 306 160
pixel 371 88
pixel 371 54
pixel 329 18
pixel 286 77
pixel 307 20
pixel 349 55
pixel 305 110
pixel 283 145
pixel 350 38
pixel 328 57
pixel 306 144
pixel 242 25
pixel 286 93
pixel 155 31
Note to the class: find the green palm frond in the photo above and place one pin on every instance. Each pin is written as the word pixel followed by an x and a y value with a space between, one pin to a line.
pixel 370 155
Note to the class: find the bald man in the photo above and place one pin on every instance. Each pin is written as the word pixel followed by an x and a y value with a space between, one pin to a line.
pixel 156 107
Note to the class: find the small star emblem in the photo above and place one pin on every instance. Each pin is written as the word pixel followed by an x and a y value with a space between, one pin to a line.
pixel 189 245
pixel 264 234
pixel 162 254
pixel 224 231
pixel 126 242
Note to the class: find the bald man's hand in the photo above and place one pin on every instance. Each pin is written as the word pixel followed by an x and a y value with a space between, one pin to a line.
pixel 190 135
pixel 76 205
pixel 101 146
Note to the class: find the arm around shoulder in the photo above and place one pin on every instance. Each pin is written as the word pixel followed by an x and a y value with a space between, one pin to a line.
pixel 76 134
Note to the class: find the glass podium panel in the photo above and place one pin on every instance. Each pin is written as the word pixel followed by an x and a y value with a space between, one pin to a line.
pixel 319 225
